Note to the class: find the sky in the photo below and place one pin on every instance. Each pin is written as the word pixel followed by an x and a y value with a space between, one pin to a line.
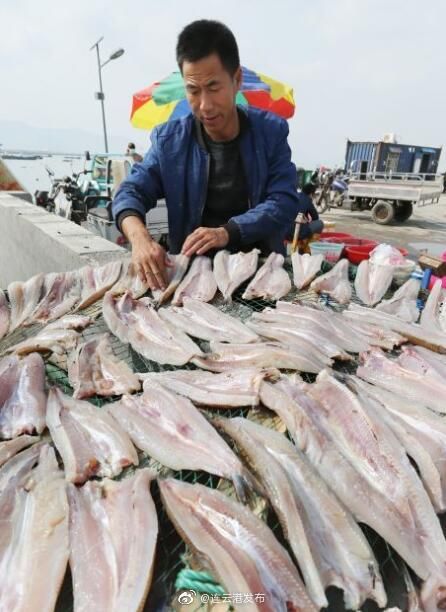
pixel 359 68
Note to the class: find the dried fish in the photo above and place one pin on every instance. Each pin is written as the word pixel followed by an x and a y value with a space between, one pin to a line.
pixel 305 268
pixel 403 303
pixel 34 545
pixel 137 322
pixel 12 447
pixel 372 281
pixel 386 373
pixel 236 546
pixel 271 282
pixel 93 369
pixel 175 274
pixel 22 395
pixel 205 321
pixel 170 429
pixel 89 440
pixel 335 283
pixel 199 283
pixel 23 298
pixel 238 387
pixel 328 544
pixel 113 533
pixel 96 280
pixel 433 315
pixel 231 271
pixel 227 357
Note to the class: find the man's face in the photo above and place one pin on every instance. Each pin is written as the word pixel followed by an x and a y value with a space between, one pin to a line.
pixel 211 92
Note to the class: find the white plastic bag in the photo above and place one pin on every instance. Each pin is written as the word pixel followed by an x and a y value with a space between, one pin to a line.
pixel 387 255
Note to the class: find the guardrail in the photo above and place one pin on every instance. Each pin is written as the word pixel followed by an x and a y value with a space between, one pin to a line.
pixel 393 177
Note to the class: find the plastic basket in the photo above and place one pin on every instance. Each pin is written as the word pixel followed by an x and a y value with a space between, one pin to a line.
pixel 330 250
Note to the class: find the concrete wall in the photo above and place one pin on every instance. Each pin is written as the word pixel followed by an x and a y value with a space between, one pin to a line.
pixel 33 240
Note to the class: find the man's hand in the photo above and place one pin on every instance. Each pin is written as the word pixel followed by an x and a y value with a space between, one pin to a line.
pixel 203 239
pixel 149 258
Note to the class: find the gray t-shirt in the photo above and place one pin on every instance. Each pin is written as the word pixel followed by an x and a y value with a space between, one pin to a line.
pixel 227 190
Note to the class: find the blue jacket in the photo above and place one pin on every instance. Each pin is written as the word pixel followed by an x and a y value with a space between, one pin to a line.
pixel 176 167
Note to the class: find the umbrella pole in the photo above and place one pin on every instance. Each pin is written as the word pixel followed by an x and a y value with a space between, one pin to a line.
pixel 297 223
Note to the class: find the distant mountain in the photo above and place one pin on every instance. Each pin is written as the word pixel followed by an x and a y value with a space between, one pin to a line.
pixel 18 135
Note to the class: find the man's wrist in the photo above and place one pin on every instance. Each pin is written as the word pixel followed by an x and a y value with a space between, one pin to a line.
pixel 133 214
pixel 234 237
pixel 134 229
pixel 224 235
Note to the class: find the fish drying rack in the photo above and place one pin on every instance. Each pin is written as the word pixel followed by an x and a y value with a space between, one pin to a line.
pixel 172 554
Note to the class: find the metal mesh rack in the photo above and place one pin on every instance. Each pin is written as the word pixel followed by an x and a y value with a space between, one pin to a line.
pixel 171 551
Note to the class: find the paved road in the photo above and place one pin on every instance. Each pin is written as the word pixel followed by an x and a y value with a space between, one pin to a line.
pixel 426 228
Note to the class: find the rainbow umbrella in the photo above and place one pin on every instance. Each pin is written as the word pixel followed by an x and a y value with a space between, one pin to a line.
pixel 166 99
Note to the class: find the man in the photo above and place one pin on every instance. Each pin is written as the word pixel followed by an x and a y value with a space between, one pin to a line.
pixel 225 172
pixel 131 152
pixel 312 224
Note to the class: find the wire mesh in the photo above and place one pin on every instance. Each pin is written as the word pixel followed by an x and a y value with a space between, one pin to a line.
pixel 172 554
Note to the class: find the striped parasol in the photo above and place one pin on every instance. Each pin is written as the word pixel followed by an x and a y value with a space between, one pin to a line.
pixel 166 99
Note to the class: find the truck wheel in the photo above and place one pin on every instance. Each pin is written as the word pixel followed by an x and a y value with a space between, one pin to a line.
pixel 383 212
pixel 403 211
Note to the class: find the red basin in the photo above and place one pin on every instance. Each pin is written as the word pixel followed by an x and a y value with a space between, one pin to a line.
pixel 327 236
pixel 356 254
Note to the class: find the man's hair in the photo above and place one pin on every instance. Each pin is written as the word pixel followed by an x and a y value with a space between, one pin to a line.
pixel 204 37
pixel 131 145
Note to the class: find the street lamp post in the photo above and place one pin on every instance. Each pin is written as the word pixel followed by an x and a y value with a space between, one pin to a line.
pixel 100 94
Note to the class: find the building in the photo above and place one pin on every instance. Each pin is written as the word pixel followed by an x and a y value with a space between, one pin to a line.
pixel 389 156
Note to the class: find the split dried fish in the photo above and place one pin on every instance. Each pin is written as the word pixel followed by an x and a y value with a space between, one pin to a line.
pixel 236 546
pixel 238 387
pixel 113 534
pixel 327 543
pixel 335 283
pixel 199 283
pixel 34 544
pixel 170 429
pixel 372 281
pixel 23 299
pixel 305 268
pixel 360 458
pixel 95 281
pixel 93 369
pixel 89 440
pixel 386 373
pixel 433 315
pixel 231 271
pixel 137 322
pixel 22 396
pixel 227 357
pixel 403 303
pixel 271 282
pixel 12 447
pixel 207 322
pixel 175 273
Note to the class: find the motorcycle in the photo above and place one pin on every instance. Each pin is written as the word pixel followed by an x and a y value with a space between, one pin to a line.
pixel 338 189
pixel 331 189
pixel 42 197
pixel 71 197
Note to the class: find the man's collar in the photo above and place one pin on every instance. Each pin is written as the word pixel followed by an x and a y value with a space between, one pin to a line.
pixel 243 123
